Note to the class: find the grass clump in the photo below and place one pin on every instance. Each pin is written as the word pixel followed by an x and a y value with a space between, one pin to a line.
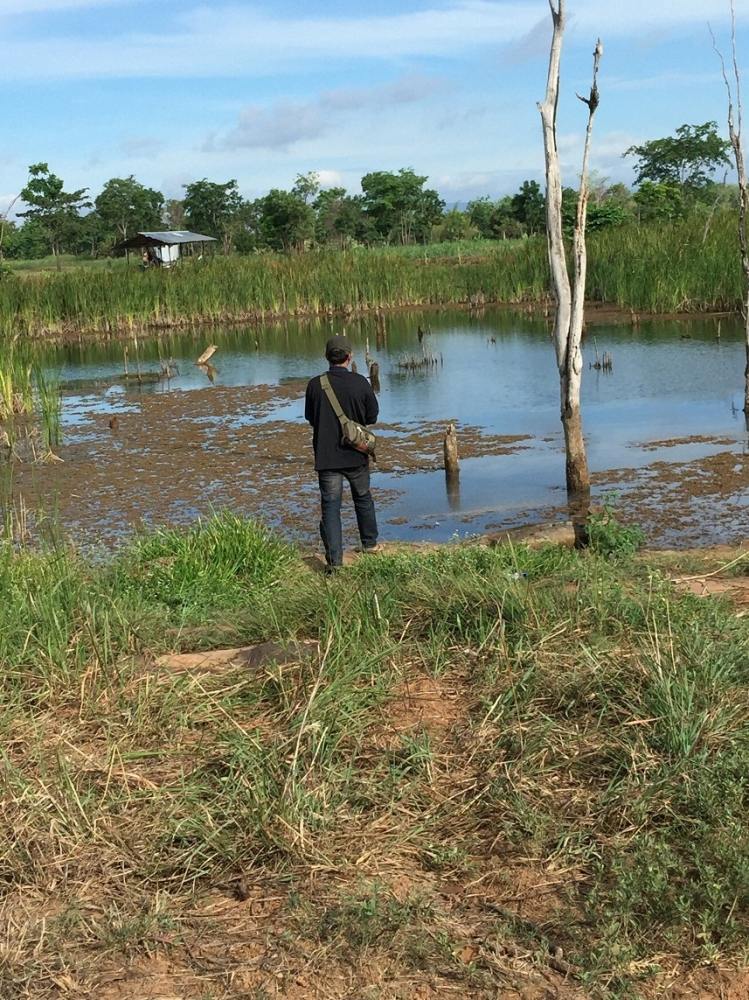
pixel 223 563
pixel 469 759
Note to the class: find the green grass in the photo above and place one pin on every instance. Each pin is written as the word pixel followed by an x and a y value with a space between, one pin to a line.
pixel 678 267
pixel 65 262
pixel 588 736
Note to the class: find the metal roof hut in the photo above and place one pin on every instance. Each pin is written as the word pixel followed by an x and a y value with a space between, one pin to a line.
pixel 165 248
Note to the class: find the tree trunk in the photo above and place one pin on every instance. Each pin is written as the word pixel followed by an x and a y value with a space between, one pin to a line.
pixel 578 476
pixel 570 297
pixel 734 134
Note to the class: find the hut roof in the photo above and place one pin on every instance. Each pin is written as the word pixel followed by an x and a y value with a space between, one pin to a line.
pixel 163 239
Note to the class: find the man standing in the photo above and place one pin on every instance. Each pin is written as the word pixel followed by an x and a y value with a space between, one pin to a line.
pixel 335 461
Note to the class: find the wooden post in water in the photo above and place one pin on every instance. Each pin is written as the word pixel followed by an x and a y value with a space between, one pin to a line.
pixel 452 467
pixel 374 376
pixel 452 464
pixel 354 369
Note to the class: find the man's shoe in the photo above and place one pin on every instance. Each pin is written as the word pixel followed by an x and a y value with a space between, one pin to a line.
pixel 371 550
pixel 331 570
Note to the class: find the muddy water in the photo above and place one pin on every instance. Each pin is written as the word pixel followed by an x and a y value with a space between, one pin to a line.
pixel 664 428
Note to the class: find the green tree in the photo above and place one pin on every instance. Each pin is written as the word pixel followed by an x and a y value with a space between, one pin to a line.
pixel 455 225
pixel 480 212
pixel 340 218
pixel 286 221
pixel 495 220
pixel 56 210
pixel 125 206
pixel 685 160
pixel 92 236
pixel 606 214
pixel 212 209
pixel 401 209
pixel 307 187
pixel 529 207
pixel 174 213
pixel 659 202
pixel 26 242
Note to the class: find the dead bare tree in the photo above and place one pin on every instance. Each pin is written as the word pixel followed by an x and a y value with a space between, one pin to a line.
pixel 570 296
pixel 3 222
pixel 734 134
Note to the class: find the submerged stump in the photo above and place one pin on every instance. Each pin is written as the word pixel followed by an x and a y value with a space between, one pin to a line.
pixel 450 448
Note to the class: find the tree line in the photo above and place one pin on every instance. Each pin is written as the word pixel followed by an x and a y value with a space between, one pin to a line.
pixel 675 176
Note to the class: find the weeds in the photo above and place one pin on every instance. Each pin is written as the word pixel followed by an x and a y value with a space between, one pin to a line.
pixel 610 537
pixel 590 774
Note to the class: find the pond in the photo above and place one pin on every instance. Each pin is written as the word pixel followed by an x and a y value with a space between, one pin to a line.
pixel 664 427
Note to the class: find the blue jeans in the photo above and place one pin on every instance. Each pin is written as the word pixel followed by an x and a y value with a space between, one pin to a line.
pixel 331 494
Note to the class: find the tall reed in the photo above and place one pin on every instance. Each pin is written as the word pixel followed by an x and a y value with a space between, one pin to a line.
pixel 49 401
pixel 683 266
pixel 15 382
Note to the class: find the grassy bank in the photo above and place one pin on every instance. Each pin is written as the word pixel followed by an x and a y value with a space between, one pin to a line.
pixel 663 269
pixel 465 761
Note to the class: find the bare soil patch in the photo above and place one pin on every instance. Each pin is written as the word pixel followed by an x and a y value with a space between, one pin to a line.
pixel 685 501
pixel 176 456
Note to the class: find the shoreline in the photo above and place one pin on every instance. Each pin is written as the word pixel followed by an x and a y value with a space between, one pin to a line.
pixel 596 313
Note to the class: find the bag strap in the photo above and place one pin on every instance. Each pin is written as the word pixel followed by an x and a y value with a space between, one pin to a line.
pixel 327 388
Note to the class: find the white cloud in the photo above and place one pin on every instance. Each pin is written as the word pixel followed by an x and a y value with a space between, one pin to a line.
pixel 242 41
pixel 330 178
pixel 286 123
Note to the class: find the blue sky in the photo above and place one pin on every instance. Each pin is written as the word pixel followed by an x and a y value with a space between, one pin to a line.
pixel 176 91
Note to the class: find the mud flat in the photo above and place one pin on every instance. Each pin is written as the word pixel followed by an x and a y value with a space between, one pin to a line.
pixel 174 456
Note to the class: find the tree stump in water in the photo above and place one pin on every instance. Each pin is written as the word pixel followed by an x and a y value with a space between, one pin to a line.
pixel 374 376
pixel 452 464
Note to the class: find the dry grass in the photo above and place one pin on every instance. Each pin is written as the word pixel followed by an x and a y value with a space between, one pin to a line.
pixel 476 785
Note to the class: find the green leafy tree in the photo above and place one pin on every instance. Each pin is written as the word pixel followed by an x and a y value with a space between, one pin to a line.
pixel 125 206
pixel 340 218
pixel 26 242
pixel 685 160
pixel 480 212
pixel 495 220
pixel 401 209
pixel 307 187
pixel 659 202
pixel 529 207
pixel 607 214
pixel 455 225
pixel 93 236
pixel 213 209
pixel 174 213
pixel 286 222
pixel 57 211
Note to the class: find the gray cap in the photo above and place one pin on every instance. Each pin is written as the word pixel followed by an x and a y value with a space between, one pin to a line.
pixel 338 344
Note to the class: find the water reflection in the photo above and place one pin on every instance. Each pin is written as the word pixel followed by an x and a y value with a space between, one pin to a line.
pixel 452 484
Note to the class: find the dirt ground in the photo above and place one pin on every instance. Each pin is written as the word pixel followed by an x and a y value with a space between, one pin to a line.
pixel 685 503
pixel 174 456
pixel 170 457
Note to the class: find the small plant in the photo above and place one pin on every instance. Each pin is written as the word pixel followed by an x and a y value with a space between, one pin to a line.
pixel 50 407
pixel 609 537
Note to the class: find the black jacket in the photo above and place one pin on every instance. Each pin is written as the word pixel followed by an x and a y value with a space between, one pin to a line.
pixel 357 401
